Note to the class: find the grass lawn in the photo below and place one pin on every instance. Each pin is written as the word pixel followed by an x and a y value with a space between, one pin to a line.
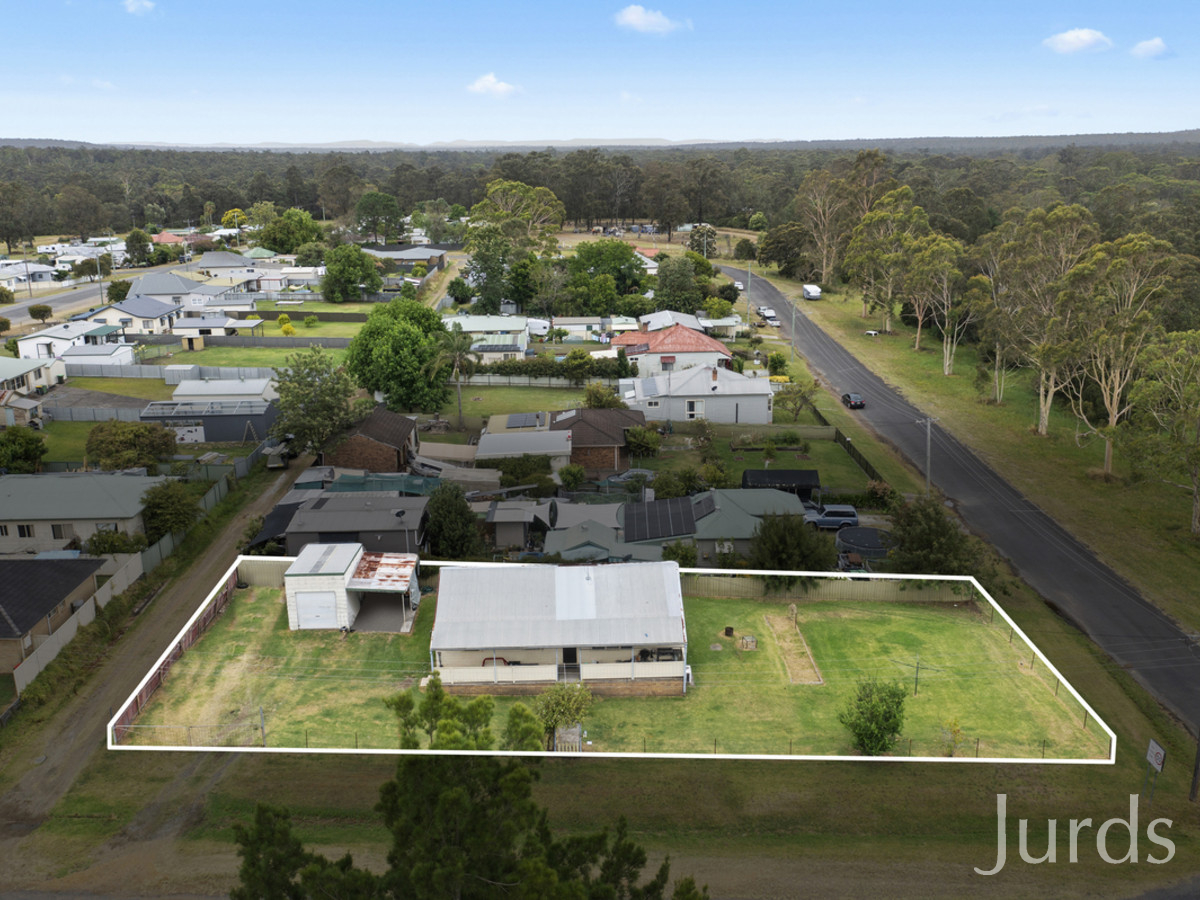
pixel 1121 520
pixel 322 329
pixel 322 689
pixel 310 307
pixel 262 357
pixel 839 473
pixel 65 441
pixel 479 402
pixel 146 388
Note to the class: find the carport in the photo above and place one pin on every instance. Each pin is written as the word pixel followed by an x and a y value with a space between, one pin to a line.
pixel 388 592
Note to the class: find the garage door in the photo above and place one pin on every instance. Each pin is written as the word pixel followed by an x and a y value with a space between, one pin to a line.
pixel 316 609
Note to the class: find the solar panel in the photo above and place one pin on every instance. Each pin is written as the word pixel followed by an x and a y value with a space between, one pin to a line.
pixel 704 505
pixel 659 519
pixel 523 420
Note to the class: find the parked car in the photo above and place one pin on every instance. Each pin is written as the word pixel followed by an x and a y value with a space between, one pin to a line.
pixel 739 285
pixel 853 401
pixel 773 322
pixel 833 517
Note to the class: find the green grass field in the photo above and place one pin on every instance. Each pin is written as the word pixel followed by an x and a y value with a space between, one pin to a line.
pixel 263 357
pixel 322 689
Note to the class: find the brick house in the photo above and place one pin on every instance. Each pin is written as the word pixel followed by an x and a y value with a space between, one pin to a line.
pixel 382 442
pixel 598 436
pixel 39 597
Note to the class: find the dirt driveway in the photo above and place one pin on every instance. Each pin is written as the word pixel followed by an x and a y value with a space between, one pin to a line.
pixel 137 862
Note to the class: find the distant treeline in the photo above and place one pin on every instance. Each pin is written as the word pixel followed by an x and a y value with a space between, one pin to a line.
pixel 1149 182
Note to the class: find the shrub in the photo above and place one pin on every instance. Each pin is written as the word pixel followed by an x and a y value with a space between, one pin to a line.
pixel 875 715
pixel 311 321
pixel 572 476
pixel 284 319
pixel 289 330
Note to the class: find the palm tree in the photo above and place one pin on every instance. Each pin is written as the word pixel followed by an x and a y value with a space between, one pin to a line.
pixel 454 350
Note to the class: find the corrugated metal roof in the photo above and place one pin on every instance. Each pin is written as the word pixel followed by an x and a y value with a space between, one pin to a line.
pixel 506 606
pixel 325 559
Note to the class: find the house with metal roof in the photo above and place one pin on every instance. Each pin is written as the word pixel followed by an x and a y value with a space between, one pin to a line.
pixel 513 629
pixel 229 390
pixel 499 331
pixel 52 342
pixel 341 585
pixel 554 444
pixel 665 318
pixel 710 392
pixel 726 519
pixel 50 510
pixel 136 315
pixel 25 376
pixel 381 521
pixel 100 354
pixel 596 542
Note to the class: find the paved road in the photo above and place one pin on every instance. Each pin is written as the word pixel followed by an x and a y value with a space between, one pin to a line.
pixel 1163 658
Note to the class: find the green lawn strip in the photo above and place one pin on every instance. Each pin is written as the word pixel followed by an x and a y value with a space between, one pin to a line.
pixel 310 308
pixel 480 401
pixel 145 388
pixel 1121 521
pixel 247 357
pixel 66 441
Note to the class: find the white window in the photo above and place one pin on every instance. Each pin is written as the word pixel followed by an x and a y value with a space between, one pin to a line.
pixel 25 531
pixel 3 531
pixel 695 409
pixel 652 404
pixel 147 323
pixel 62 532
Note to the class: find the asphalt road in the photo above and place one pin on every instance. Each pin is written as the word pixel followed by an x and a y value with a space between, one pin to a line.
pixel 1160 656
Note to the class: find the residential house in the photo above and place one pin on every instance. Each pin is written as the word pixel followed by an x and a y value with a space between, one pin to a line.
pixel 431 256
pixel 646 256
pixel 597 542
pixel 219 325
pixel 672 350
pixel 507 331
pixel 15 274
pixel 598 437
pixel 727 327
pixel 580 328
pixel 40 595
pixel 344 586
pixel 666 318
pixel 727 519
pixel 20 409
pixel 136 315
pixel 514 629
pixel 380 521
pixel 52 342
pixel 384 441
pixel 620 324
pixel 702 392
pixel 172 287
pixel 25 376
pixel 49 511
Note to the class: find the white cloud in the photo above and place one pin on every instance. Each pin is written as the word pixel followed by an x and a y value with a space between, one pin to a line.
pixel 489 84
pixel 1078 39
pixel 1150 49
pixel 647 21
pixel 138 7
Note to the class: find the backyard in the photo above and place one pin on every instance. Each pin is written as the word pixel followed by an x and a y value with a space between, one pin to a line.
pixel 250 680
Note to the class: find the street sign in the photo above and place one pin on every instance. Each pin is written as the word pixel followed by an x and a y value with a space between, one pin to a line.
pixel 1156 756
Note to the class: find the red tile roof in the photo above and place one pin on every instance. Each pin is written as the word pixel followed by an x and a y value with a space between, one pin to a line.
pixel 676 339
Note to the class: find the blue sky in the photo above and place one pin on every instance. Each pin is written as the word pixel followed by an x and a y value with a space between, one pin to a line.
pixel 444 70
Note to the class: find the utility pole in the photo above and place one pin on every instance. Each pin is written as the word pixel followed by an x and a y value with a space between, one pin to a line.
pixel 928 420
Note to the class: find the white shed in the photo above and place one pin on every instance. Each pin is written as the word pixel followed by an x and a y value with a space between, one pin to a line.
pixel 339 585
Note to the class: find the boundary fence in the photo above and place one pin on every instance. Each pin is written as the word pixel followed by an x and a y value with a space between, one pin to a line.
pixel 850 448
pixel 199 623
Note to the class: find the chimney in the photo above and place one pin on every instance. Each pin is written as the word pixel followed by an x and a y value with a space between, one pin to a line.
pixel 714 373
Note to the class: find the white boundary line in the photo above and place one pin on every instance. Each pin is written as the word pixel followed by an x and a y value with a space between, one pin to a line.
pixel 962 579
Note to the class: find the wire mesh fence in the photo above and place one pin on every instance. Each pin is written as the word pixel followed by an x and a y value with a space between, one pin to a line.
pixel 234 734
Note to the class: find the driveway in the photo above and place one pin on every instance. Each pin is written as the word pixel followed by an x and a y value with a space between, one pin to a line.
pixel 1160 656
